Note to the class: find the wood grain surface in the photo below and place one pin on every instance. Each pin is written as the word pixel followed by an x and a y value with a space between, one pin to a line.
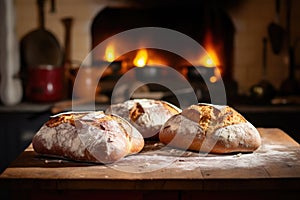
pixel 275 165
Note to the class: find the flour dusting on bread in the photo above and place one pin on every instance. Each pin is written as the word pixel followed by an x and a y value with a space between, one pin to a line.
pixel 212 128
pixel 92 136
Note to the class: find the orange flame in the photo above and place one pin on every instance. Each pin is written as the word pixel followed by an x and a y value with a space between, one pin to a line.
pixel 109 53
pixel 212 59
pixel 141 58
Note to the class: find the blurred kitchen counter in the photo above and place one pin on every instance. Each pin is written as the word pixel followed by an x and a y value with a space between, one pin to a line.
pixel 285 117
pixel 267 108
pixel 67 105
pixel 26 107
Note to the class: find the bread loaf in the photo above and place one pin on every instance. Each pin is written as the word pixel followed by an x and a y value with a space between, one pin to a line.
pixel 146 115
pixel 92 137
pixel 210 128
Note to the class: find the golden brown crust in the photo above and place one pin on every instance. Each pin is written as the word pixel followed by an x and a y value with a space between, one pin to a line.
pixel 136 111
pixel 146 115
pixel 171 108
pixel 210 128
pixel 66 118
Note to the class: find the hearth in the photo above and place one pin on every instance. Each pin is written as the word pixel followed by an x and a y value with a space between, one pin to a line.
pixel 207 23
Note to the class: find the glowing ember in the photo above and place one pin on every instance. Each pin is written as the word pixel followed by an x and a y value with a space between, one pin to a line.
pixel 141 58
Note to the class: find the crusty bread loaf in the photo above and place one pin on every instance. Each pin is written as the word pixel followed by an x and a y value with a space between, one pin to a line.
pixel 92 137
pixel 210 128
pixel 146 115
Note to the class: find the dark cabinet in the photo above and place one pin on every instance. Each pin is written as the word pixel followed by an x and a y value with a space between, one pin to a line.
pixel 17 128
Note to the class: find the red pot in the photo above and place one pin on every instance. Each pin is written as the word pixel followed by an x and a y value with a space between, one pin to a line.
pixel 45 83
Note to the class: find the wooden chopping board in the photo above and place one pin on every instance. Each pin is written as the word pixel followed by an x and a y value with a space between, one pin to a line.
pixel 162 168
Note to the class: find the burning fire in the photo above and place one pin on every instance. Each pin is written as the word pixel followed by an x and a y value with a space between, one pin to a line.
pixel 144 57
pixel 141 58
pixel 110 53
pixel 212 59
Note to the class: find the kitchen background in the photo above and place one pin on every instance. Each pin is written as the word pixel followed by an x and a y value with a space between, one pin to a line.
pixel 250 18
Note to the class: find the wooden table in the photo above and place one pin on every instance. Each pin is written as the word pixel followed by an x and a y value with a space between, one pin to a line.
pixel 272 170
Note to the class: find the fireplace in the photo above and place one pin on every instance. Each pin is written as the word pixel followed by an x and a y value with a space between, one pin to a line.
pixel 207 23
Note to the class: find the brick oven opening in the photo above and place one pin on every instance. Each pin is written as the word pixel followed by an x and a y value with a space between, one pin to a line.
pixel 207 23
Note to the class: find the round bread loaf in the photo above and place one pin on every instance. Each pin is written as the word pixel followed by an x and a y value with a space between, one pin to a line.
pixel 92 137
pixel 210 128
pixel 146 115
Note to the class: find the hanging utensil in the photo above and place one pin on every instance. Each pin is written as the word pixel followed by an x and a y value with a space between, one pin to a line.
pixel 40 46
pixel 290 86
pixel 276 31
pixel 263 91
pixel 67 23
pixel 41 58
pixel 68 62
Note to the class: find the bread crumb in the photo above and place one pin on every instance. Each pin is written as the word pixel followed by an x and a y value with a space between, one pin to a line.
pixel 237 155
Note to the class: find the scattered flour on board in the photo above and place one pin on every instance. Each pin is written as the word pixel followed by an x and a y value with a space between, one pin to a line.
pixel 265 155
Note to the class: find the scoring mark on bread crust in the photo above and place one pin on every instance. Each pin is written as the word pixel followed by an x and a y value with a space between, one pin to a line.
pixel 136 111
